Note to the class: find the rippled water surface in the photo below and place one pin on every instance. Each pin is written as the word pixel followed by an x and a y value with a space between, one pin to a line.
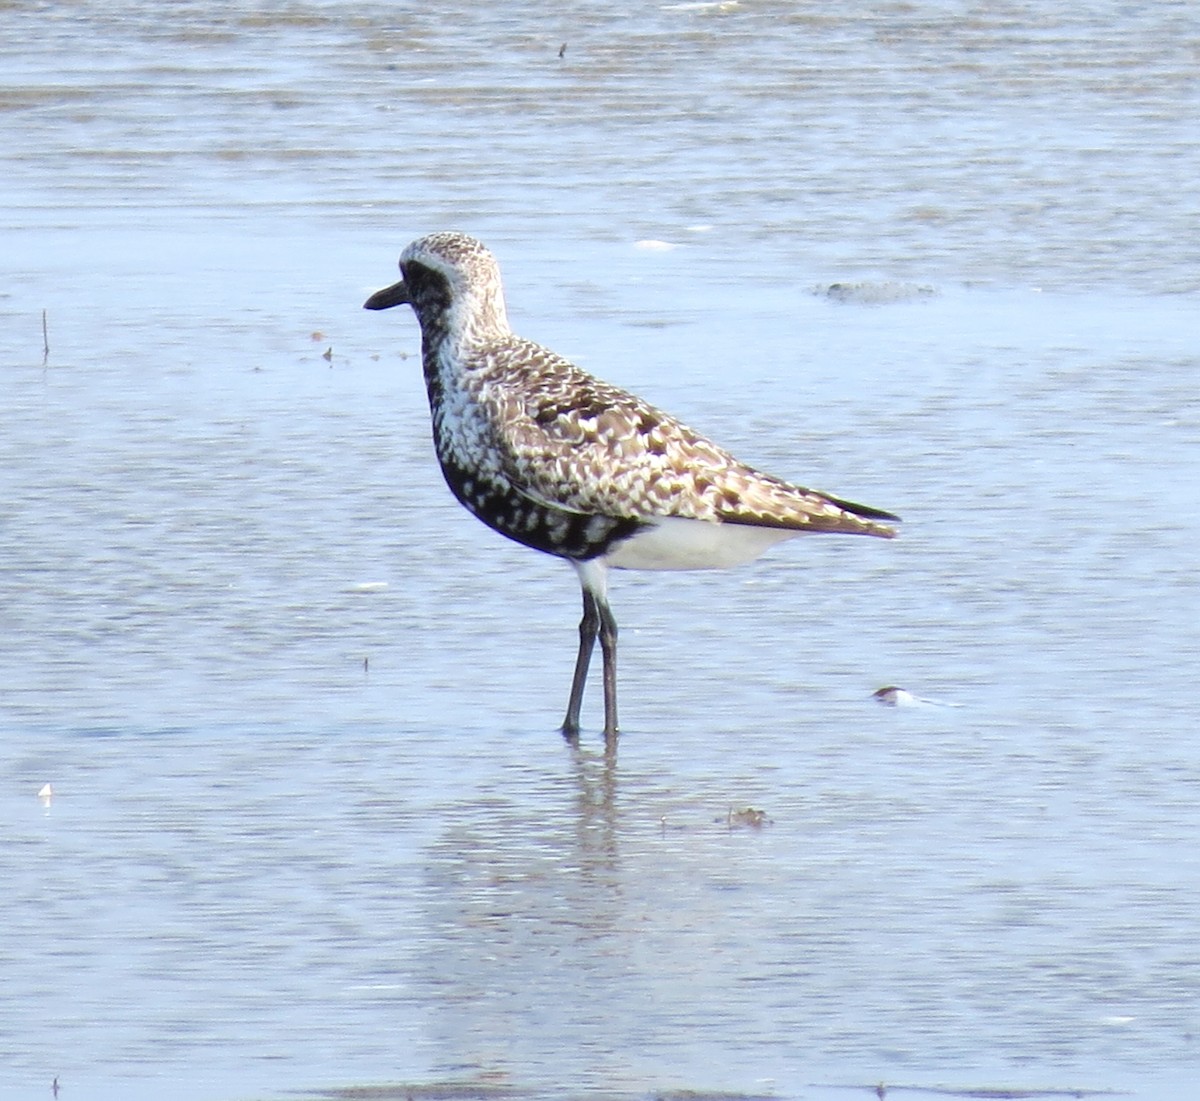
pixel 312 826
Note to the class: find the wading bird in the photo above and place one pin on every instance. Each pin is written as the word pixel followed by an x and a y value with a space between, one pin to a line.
pixel 562 462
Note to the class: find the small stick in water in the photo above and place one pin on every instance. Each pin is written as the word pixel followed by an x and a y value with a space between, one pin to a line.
pixel 45 341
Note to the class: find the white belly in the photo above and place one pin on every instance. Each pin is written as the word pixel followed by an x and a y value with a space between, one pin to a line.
pixel 677 544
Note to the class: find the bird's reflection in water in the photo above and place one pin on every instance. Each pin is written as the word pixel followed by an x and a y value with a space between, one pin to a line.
pixel 525 913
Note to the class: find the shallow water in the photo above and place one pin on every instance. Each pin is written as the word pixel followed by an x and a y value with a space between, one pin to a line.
pixel 312 826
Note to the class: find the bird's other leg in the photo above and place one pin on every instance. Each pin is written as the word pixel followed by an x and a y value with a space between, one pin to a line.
pixel 608 648
pixel 589 625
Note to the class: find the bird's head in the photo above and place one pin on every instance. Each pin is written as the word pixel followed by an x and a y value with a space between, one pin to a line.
pixel 452 282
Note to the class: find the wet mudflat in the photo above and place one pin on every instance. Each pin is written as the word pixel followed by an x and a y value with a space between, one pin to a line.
pixel 311 824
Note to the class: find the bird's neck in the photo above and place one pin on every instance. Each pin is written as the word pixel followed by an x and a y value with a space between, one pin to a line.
pixel 454 341
pixel 454 362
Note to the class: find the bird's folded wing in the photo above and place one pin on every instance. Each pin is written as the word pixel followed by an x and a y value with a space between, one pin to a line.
pixel 582 445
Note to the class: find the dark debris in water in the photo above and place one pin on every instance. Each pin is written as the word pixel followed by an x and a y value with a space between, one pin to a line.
pixel 751 818
pixel 874 294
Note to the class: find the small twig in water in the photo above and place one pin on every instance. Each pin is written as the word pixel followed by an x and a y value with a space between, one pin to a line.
pixel 45 340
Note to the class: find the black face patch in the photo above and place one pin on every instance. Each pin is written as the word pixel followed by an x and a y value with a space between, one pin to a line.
pixel 429 293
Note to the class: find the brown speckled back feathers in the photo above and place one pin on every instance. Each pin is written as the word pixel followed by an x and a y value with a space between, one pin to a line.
pixel 575 442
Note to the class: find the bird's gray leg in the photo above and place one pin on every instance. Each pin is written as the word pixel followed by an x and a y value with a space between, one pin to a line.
pixel 598 621
pixel 589 625
pixel 608 647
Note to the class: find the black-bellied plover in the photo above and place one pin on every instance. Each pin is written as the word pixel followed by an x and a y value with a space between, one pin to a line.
pixel 555 459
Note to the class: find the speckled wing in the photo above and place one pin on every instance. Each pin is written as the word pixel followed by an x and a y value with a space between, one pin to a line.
pixel 576 443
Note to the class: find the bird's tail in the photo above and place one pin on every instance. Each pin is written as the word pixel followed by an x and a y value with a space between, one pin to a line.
pixel 865 511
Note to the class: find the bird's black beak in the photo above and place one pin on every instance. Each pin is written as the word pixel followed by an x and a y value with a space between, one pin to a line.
pixel 395 295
